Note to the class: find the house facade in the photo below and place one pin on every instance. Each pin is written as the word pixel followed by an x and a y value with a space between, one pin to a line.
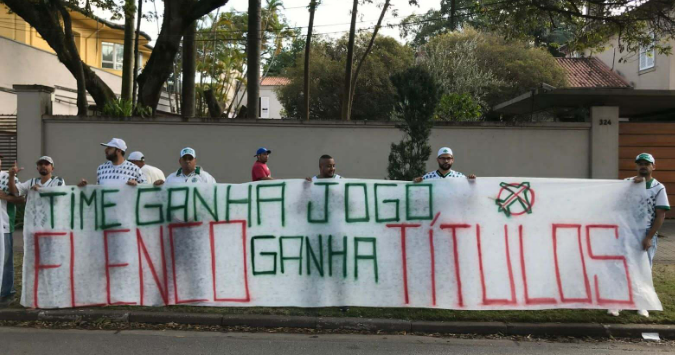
pixel 27 59
pixel 644 70
pixel 270 106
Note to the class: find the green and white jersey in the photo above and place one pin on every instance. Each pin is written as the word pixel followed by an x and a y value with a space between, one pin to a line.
pixel 317 178
pixel 197 176
pixel 657 200
pixel 25 186
pixel 437 175
pixel 4 186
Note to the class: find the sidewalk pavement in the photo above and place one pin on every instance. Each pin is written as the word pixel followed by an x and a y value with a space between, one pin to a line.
pixel 665 254
pixel 371 325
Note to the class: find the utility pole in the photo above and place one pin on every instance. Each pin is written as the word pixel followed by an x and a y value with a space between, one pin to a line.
pixel 253 64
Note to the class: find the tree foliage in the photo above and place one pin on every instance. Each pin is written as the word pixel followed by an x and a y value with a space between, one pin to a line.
pixel 416 97
pixel 374 96
pixel 419 29
pixel 591 23
pixel 221 52
pixel 487 67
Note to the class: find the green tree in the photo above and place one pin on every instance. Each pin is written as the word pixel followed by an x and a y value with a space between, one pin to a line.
pixel 287 57
pixel 416 97
pixel 458 107
pixel 591 23
pixel 374 96
pixel 488 67
pixel 221 53
pixel 419 29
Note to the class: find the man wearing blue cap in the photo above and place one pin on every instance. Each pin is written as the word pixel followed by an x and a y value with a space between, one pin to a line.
pixel 656 205
pixel 260 171
pixel 189 172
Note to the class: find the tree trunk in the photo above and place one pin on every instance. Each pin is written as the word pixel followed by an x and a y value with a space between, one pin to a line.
pixel 365 54
pixel 137 63
pixel 214 107
pixel 178 16
pixel 253 64
pixel 128 63
pixel 453 15
pixel 78 69
pixel 350 63
pixel 45 17
pixel 308 45
pixel 189 71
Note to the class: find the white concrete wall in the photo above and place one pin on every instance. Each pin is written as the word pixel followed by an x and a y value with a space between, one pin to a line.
pixel 21 64
pixel 226 149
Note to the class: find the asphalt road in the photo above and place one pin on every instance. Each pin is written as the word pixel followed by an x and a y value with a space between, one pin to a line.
pixel 76 342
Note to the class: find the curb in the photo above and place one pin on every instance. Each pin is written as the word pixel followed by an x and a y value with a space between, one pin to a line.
pixel 580 330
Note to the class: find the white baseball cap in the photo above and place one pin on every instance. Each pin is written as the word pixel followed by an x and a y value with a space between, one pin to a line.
pixel 136 156
pixel 646 157
pixel 116 143
pixel 47 159
pixel 188 151
pixel 444 150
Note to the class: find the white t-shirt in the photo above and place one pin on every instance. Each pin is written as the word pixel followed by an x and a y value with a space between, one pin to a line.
pixel 4 181
pixel 197 176
pixel 437 175
pixel 317 178
pixel 25 186
pixel 658 199
pixel 109 174
pixel 152 174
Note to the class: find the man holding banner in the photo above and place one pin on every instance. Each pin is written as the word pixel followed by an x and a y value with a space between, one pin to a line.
pixel 189 172
pixel 7 213
pixel 445 160
pixel 117 170
pixel 326 169
pixel 45 167
pixel 657 205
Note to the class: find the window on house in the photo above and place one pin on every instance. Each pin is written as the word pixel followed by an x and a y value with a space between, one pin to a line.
pixel 112 55
pixel 647 55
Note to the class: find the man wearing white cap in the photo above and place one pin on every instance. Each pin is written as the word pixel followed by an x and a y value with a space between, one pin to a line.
pixel 656 206
pixel 151 173
pixel 117 170
pixel 45 167
pixel 189 172
pixel 445 160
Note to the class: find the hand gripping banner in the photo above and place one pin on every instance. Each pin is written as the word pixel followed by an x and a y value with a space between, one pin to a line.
pixel 496 243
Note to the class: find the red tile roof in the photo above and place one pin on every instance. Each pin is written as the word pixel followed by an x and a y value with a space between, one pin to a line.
pixel 590 73
pixel 275 81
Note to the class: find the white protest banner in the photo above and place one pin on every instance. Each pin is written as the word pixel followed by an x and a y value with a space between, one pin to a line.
pixel 496 243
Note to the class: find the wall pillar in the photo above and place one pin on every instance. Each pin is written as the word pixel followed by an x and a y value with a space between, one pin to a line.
pixel 604 142
pixel 33 101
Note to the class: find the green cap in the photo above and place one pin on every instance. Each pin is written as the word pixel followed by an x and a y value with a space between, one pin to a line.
pixel 646 157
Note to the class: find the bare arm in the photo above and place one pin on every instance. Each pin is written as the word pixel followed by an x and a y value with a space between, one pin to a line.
pixel 658 222
pixel 12 184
